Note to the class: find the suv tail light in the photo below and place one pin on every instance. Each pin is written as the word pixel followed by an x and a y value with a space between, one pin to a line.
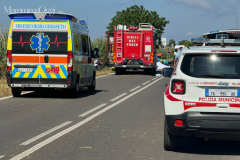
pixel 178 87
pixel 9 60
pixel 70 61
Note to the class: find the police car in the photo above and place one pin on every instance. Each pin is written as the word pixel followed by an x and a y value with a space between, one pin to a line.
pixel 202 98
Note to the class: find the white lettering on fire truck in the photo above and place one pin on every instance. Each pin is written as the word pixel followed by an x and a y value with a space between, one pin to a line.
pixel 132 41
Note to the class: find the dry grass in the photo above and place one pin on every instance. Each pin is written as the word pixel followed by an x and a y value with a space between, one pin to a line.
pixel 105 71
pixel 4 89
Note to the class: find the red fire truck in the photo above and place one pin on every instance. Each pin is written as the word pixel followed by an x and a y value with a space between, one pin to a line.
pixel 133 48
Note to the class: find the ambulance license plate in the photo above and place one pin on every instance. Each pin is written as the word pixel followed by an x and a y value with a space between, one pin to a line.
pixel 25 70
pixel 222 93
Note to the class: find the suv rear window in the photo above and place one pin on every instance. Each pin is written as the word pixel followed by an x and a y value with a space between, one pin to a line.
pixel 211 66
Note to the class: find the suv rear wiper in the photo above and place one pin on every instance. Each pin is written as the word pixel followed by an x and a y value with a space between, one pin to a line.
pixel 214 75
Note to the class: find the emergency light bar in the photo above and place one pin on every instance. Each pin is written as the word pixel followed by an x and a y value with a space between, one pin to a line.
pixel 82 21
pixel 58 16
pixel 42 15
pixel 133 28
pixel 198 41
pixel 22 16
pixel 214 31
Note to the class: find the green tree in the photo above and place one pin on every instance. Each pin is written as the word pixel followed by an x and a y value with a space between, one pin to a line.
pixel 187 44
pixel 135 15
pixel 171 41
pixel 182 42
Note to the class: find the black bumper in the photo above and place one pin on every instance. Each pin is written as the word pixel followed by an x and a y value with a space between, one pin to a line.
pixel 133 66
pixel 32 83
pixel 211 125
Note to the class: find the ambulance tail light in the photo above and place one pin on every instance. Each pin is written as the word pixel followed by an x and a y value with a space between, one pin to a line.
pixel 9 60
pixel 178 87
pixel 70 61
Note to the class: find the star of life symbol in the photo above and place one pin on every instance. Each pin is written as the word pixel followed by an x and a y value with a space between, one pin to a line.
pixel 40 42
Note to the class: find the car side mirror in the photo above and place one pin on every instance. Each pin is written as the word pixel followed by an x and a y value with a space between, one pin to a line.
pixel 96 53
pixel 167 72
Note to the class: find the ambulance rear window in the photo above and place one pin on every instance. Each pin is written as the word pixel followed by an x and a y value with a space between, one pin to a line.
pixel 211 66
pixel 39 42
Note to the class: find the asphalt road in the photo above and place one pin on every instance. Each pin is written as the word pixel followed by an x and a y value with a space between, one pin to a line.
pixel 122 120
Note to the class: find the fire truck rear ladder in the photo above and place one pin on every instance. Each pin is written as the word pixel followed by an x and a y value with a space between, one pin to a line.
pixel 119 42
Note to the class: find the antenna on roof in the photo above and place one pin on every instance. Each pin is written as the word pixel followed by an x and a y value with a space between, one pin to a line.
pixel 237 21
pixel 87 20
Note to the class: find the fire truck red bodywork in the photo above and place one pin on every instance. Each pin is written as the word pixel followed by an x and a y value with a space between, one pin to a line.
pixel 134 47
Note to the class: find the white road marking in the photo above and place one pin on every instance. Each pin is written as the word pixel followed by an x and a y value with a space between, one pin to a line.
pixel 6 97
pixel 146 82
pixel 155 78
pixel 45 133
pixel 94 109
pixel 105 75
pixel 118 97
pixel 12 96
pixel 1 156
pixel 134 88
pixel 101 76
pixel 60 134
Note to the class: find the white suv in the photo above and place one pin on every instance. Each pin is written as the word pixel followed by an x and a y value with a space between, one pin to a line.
pixel 203 96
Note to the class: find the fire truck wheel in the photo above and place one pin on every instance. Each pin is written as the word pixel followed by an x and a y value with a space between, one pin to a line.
pixel 118 71
pixel 93 85
pixel 170 140
pixel 16 92
pixel 154 71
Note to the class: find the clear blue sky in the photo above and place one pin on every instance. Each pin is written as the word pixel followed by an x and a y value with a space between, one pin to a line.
pixel 188 18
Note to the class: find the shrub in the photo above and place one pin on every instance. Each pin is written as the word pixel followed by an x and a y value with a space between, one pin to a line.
pixel 101 44
pixel 3 50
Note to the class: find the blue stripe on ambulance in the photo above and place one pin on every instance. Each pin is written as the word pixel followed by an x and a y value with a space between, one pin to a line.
pixel 63 70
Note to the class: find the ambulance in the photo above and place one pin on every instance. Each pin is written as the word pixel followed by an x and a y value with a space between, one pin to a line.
pixel 202 98
pixel 49 51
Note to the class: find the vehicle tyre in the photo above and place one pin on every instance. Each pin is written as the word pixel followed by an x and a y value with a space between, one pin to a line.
pixel 118 71
pixel 93 85
pixel 170 140
pixel 154 71
pixel 75 90
pixel 16 92
pixel 147 71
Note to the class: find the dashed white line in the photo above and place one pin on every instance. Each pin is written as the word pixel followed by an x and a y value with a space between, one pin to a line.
pixel 45 133
pixel 134 88
pixel 118 97
pixel 60 134
pixel 105 75
pixel 155 78
pixel 1 156
pixel 94 109
pixel 146 82
pixel 12 96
